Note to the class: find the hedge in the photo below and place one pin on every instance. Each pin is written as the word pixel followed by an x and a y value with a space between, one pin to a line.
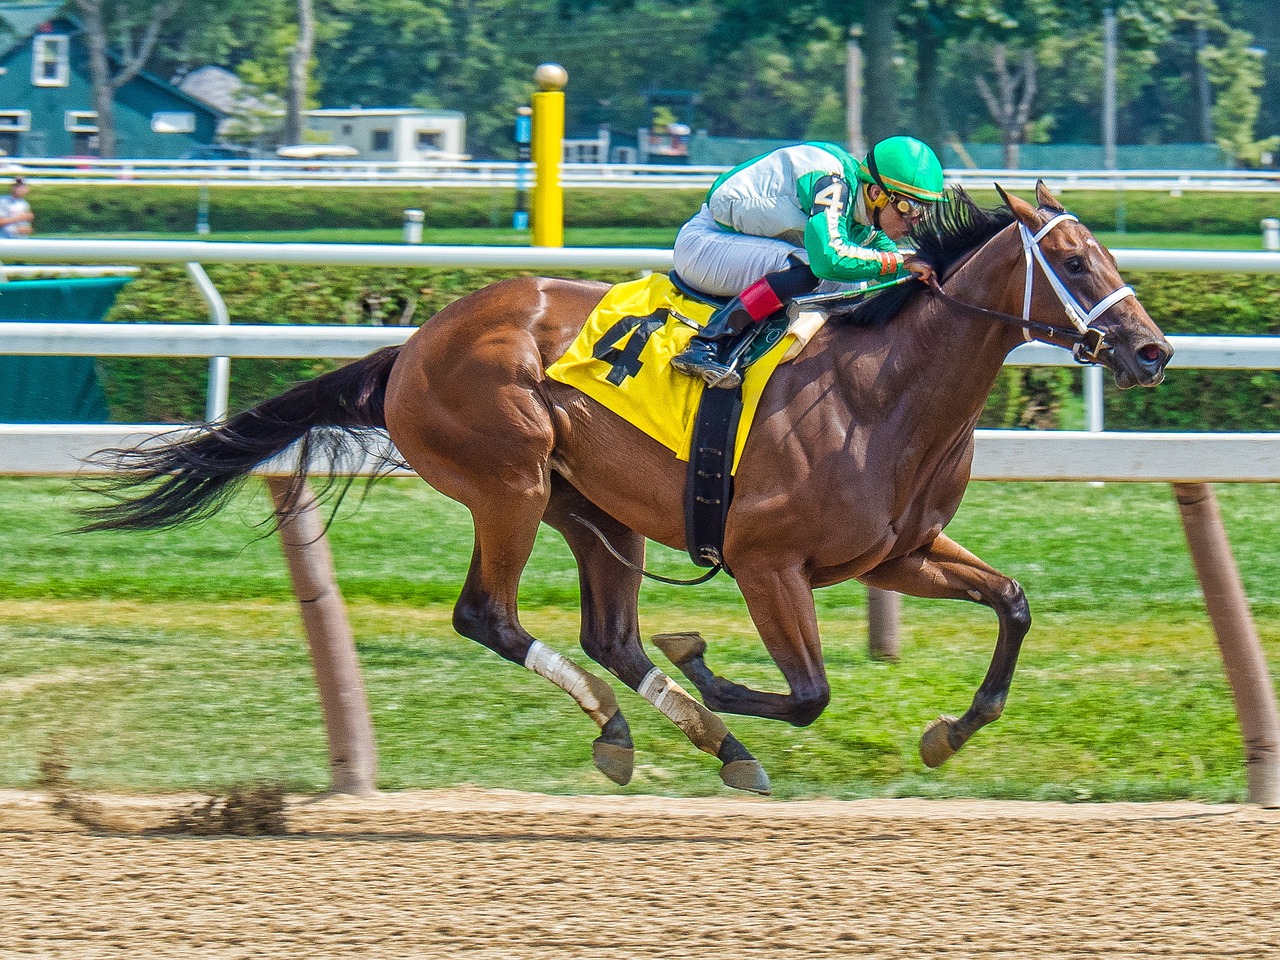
pixel 133 207
pixel 165 390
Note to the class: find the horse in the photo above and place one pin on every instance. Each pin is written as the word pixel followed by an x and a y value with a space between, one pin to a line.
pixel 858 458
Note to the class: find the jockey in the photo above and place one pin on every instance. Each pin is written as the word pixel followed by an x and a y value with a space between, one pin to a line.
pixel 796 219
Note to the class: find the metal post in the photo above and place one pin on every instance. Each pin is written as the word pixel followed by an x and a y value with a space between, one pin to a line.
pixel 216 398
pixel 202 211
pixel 353 759
pixel 1093 392
pixel 1109 88
pixel 1109 108
pixel 523 137
pixel 884 616
pixel 1242 654
pixel 413 226
pixel 548 148
pixel 853 92
pixel 1270 233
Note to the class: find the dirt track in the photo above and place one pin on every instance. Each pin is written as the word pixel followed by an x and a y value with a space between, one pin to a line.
pixel 493 874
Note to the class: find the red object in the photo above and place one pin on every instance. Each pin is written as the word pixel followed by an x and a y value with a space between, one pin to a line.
pixel 760 300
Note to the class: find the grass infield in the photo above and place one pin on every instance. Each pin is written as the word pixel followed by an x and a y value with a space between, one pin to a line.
pixel 176 660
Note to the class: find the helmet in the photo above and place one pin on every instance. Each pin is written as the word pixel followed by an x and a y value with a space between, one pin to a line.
pixel 904 165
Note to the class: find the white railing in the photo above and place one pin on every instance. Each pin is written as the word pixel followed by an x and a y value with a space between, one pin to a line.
pixel 499 173
pixel 505 258
pixel 193 253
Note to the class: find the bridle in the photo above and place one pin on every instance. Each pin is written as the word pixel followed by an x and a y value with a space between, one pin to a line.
pixel 1086 341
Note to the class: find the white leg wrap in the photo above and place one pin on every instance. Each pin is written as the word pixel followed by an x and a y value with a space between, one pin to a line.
pixel 703 728
pixel 567 675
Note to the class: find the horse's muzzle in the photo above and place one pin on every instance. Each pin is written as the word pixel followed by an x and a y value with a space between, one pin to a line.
pixel 1142 366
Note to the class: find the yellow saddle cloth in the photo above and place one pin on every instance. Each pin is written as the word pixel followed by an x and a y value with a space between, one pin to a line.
pixel 622 359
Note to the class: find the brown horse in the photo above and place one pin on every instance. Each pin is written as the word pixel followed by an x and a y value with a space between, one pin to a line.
pixel 858 457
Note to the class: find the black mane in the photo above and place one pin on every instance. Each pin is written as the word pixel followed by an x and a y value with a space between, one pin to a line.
pixel 949 232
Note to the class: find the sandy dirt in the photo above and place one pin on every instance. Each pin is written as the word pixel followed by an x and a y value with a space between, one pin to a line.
pixel 479 874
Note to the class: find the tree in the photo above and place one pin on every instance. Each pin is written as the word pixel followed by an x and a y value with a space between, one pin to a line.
pixel 1235 72
pixel 1010 102
pixel 299 72
pixel 138 26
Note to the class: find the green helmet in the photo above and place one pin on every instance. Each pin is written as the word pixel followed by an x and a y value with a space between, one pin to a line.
pixel 904 165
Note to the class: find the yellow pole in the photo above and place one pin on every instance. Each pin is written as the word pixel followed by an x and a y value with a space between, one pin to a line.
pixel 548 148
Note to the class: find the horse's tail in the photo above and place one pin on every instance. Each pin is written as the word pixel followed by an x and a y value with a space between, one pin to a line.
pixel 187 475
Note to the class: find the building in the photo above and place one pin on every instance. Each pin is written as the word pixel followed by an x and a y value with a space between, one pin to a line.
pixel 400 135
pixel 46 95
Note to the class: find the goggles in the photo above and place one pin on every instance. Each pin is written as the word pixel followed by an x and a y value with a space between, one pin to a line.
pixel 909 208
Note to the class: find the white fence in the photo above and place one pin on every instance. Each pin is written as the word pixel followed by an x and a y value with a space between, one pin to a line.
pixel 484 173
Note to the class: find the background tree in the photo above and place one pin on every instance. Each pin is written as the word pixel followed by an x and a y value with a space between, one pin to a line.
pixel 299 72
pixel 1235 71
pixel 136 27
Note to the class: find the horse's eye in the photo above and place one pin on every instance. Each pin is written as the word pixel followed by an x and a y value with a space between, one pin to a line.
pixel 1074 265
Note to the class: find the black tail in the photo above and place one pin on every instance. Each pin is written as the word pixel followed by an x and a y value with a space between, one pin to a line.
pixel 165 481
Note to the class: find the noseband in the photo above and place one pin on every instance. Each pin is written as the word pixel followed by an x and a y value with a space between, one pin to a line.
pixel 1087 341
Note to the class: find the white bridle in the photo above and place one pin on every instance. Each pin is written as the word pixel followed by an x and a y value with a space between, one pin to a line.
pixel 1080 318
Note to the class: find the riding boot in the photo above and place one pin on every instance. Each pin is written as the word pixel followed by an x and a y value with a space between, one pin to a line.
pixel 702 357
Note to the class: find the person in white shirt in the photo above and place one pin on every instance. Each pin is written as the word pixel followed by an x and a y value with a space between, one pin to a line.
pixel 15 213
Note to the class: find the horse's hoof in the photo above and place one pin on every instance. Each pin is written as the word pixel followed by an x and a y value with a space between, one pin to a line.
pixel 935 742
pixel 680 647
pixel 746 775
pixel 614 761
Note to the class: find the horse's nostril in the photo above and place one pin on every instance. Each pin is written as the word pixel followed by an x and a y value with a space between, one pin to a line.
pixel 1150 354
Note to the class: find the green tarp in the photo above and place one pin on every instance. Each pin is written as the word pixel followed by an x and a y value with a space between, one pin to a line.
pixel 54 389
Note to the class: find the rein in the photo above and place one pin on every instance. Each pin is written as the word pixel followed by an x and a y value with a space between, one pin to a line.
pixel 635 568
pixel 1086 341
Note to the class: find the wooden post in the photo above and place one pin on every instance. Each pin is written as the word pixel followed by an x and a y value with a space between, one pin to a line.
pixel 884 613
pixel 1242 654
pixel 353 761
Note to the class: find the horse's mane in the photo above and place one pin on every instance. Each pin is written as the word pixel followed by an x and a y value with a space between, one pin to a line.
pixel 950 231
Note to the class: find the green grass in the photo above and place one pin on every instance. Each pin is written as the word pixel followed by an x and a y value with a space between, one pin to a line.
pixel 660 237
pixel 176 660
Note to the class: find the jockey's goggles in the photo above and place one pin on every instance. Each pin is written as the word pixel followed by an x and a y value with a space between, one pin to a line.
pixel 908 207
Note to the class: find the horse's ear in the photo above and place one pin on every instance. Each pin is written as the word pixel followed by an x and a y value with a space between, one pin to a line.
pixel 1018 207
pixel 1003 196
pixel 1046 199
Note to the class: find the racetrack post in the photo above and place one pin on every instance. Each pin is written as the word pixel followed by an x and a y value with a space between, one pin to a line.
pixel 548 150
pixel 1242 654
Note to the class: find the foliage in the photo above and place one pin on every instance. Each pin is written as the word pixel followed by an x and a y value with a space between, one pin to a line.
pixel 760 67
pixel 152 209
pixel 1236 73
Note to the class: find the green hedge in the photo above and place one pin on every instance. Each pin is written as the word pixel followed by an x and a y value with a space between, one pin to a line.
pixel 133 207
pixel 164 390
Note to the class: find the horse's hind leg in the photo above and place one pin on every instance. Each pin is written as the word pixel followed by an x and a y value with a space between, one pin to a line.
pixel 946 570
pixel 486 612
pixel 611 632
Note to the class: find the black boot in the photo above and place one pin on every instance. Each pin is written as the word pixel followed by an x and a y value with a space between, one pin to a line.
pixel 702 357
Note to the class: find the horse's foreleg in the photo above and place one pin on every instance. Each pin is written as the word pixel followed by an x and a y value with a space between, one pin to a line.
pixel 781 605
pixel 611 633
pixel 946 570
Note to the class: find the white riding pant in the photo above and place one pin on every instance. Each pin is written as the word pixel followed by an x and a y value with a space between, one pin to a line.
pixel 723 263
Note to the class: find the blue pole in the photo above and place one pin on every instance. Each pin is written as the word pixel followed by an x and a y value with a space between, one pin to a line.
pixel 523 137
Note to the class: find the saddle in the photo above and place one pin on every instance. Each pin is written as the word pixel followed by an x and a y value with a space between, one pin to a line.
pixel 622 360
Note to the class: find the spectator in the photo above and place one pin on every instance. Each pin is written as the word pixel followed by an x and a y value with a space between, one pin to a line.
pixel 15 212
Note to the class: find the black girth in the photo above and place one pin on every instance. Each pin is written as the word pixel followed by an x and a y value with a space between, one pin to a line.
pixel 708 487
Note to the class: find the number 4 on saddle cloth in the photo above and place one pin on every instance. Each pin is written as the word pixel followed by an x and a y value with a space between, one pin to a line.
pixel 622 359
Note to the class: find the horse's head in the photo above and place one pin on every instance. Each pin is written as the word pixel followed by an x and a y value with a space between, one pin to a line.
pixel 1073 286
